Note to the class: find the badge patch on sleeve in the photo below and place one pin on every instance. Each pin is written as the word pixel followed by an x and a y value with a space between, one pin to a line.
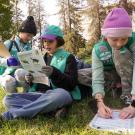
pixel 105 54
pixel 103 49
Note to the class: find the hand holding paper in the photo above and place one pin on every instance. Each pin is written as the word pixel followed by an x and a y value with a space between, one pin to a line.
pixel 29 78
pixel 33 61
pixel 47 70
pixel 12 61
pixel 127 112
pixel 103 110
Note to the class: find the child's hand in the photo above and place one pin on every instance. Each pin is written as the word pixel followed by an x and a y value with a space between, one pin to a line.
pixel 104 111
pixel 47 70
pixel 127 112
pixel 12 61
pixel 29 78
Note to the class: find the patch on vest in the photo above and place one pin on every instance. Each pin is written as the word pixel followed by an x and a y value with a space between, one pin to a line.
pixel 60 59
pixel 103 49
pixel 105 54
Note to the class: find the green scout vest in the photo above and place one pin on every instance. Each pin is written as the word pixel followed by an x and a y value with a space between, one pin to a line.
pixel 59 61
pixel 104 52
pixel 13 51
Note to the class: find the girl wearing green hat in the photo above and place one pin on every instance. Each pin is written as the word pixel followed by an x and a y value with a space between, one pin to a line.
pixel 62 72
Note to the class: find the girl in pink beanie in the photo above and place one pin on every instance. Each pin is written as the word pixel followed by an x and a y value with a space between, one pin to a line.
pixel 115 55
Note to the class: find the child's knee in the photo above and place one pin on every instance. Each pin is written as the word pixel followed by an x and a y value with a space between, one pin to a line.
pixel 20 74
pixel 63 96
pixel 9 84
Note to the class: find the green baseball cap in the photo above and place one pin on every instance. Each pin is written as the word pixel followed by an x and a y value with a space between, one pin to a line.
pixel 51 32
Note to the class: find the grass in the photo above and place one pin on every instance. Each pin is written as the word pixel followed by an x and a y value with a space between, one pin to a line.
pixel 75 124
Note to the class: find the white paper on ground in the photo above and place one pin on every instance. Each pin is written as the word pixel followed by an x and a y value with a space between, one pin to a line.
pixel 33 62
pixel 115 124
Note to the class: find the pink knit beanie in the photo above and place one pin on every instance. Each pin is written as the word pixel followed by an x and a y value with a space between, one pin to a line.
pixel 117 24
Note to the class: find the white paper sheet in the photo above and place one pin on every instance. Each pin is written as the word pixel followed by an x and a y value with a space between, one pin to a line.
pixel 33 62
pixel 114 124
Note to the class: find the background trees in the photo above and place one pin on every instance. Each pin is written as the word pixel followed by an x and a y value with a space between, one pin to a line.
pixel 81 20
pixel 5 19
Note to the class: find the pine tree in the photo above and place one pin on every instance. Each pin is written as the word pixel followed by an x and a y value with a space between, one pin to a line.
pixel 94 13
pixel 124 4
pixel 17 14
pixel 5 19
pixel 36 10
pixel 71 23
